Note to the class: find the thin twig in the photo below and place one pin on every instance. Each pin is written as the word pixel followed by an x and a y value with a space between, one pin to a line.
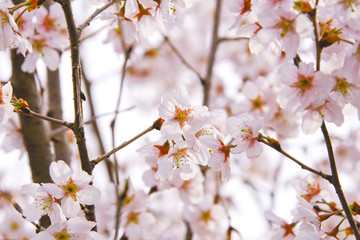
pixel 124 144
pixel 182 59
pixel 228 39
pixel 302 165
pixel 31 113
pixel 94 122
pixel 95 13
pixel 214 45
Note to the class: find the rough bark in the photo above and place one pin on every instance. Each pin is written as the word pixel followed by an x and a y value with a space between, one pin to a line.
pixel 34 131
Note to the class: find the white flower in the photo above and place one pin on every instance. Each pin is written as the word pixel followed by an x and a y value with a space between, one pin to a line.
pixel 44 204
pixel 180 116
pixel 180 161
pixel 74 228
pixel 71 188
pixel 245 129
pixel 9 35
pixel 220 156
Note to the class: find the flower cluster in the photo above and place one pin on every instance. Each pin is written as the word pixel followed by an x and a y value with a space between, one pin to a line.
pixel 62 201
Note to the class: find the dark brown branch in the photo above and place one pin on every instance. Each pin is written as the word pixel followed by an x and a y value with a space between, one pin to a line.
pixel 336 182
pixel 33 114
pixel 78 127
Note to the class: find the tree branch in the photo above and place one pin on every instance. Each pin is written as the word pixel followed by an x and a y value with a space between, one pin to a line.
pixel 124 144
pixel 336 182
pixel 213 49
pixel 182 59
pixel 78 127
pixel 97 12
pixel 278 148
pixel 31 113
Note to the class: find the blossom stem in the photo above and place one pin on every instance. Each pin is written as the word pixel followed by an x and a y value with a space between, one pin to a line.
pixel 182 59
pixel 94 122
pixel 124 144
pixel 46 118
pixel 95 13
pixel 214 45
pixel 302 165
pixel 334 180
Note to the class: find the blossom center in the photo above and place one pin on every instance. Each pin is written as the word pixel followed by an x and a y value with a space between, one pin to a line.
pixel 342 86
pixel 182 115
pixel 285 25
pixel 206 216
pixel 133 218
pixel 303 83
pixel 257 103
pixel 180 156
pixel 71 189
pixel 63 235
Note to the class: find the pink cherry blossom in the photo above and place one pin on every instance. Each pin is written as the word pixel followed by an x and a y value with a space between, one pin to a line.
pixel 180 161
pixel 207 219
pixel 71 188
pixel 303 85
pixel 245 130
pixel 73 228
pixel 180 116
pixel 220 155
pixel 44 204
pixel 285 230
pixel 316 112
pixel 44 48
pixel 9 35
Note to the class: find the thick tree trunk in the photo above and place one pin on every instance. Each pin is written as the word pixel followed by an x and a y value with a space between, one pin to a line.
pixel 34 130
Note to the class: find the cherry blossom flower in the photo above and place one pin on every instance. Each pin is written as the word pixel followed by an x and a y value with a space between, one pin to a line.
pixel 137 224
pixel 52 24
pixel 207 219
pixel 278 31
pixel 44 48
pixel 71 188
pixel 317 111
pixel 73 228
pixel 220 155
pixel 180 116
pixel 6 108
pixel 9 35
pixel 260 100
pixel 285 231
pixel 44 204
pixel 180 161
pixel 303 85
pixel 13 226
pixel 245 129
